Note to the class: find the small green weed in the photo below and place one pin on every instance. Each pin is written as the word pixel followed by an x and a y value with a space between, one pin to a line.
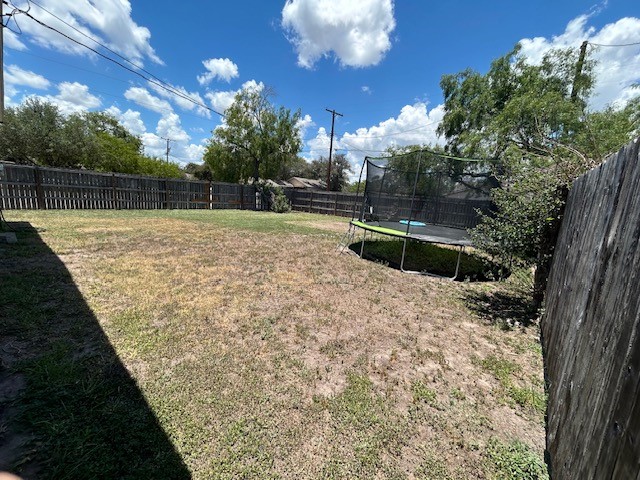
pixel 513 461
pixel 432 468
pixel 422 393
pixel 503 369
pixel 457 394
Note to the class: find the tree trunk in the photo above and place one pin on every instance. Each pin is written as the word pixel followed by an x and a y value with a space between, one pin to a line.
pixel 545 253
pixel 256 171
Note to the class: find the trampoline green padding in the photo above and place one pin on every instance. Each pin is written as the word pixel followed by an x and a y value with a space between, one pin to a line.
pixel 422 233
pixel 423 196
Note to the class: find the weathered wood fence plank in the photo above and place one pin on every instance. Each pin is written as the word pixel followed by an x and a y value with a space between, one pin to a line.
pixel 591 327
pixel 26 187
pixel 328 203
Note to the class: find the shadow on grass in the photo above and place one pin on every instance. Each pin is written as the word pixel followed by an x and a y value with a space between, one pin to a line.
pixel 505 308
pixel 68 406
pixel 430 258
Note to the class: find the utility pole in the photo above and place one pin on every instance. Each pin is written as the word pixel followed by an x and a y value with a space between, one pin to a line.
pixel 579 65
pixel 1 63
pixel 168 147
pixel 333 118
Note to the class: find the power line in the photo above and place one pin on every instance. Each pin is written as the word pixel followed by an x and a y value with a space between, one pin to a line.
pixel 396 133
pixel 9 17
pixel 96 41
pixel 171 87
pixel 614 45
pixel 109 94
pixel 22 52
pixel 351 147
pixel 106 57
pixel 377 136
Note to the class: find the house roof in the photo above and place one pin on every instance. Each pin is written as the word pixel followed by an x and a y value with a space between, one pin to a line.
pixel 278 183
pixel 309 183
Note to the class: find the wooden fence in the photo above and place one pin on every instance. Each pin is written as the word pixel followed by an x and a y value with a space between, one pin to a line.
pixel 27 187
pixel 328 203
pixel 441 211
pixel 591 328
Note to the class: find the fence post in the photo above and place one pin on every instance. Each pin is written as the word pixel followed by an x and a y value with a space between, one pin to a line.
pixel 335 208
pixel 166 196
pixel 310 201
pixel 241 196
pixel 114 192
pixel 39 189
pixel 209 197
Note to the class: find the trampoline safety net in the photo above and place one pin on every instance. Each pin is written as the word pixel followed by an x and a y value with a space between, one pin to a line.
pixel 425 188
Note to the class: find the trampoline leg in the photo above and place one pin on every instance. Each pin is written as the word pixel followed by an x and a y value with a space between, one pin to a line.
pixel 347 239
pixel 458 262
pixel 404 250
pixel 455 275
pixel 364 237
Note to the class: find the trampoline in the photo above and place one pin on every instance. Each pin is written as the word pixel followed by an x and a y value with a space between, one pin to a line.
pixel 423 196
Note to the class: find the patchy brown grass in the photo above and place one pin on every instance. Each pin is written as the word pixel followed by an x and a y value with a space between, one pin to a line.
pixel 266 354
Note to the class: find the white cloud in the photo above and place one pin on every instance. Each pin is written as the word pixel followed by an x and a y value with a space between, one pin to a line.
pixel 415 125
pixel 182 102
pixel 194 152
pixel 366 89
pixel 108 21
pixel 130 119
pixel 77 94
pixel 617 69
pixel 319 145
pixel 221 68
pixel 221 100
pixel 142 97
pixel 71 98
pixel 252 86
pixel 15 75
pixel 11 40
pixel 169 126
pixel 181 150
pixel 304 124
pixel 9 92
pixel 356 31
pixel 154 146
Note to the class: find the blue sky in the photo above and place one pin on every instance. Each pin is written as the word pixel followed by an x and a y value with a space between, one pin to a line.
pixel 378 62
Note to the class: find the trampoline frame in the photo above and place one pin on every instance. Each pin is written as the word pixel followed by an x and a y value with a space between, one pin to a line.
pixel 405 238
pixel 406 235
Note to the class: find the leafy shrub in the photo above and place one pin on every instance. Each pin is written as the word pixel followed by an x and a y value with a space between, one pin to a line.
pixel 514 461
pixel 280 202
pixel 274 198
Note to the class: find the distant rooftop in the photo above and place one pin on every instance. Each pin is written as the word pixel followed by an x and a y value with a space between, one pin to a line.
pixel 308 183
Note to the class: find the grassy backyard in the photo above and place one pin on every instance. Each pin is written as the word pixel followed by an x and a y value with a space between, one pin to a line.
pixel 228 344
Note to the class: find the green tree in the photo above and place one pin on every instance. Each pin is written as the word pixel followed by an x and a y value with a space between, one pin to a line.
pixel 533 120
pixel 102 122
pixel 340 170
pixel 37 133
pixel 298 167
pixel 257 139
pixel 355 187
pixel 31 134
pixel 201 172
